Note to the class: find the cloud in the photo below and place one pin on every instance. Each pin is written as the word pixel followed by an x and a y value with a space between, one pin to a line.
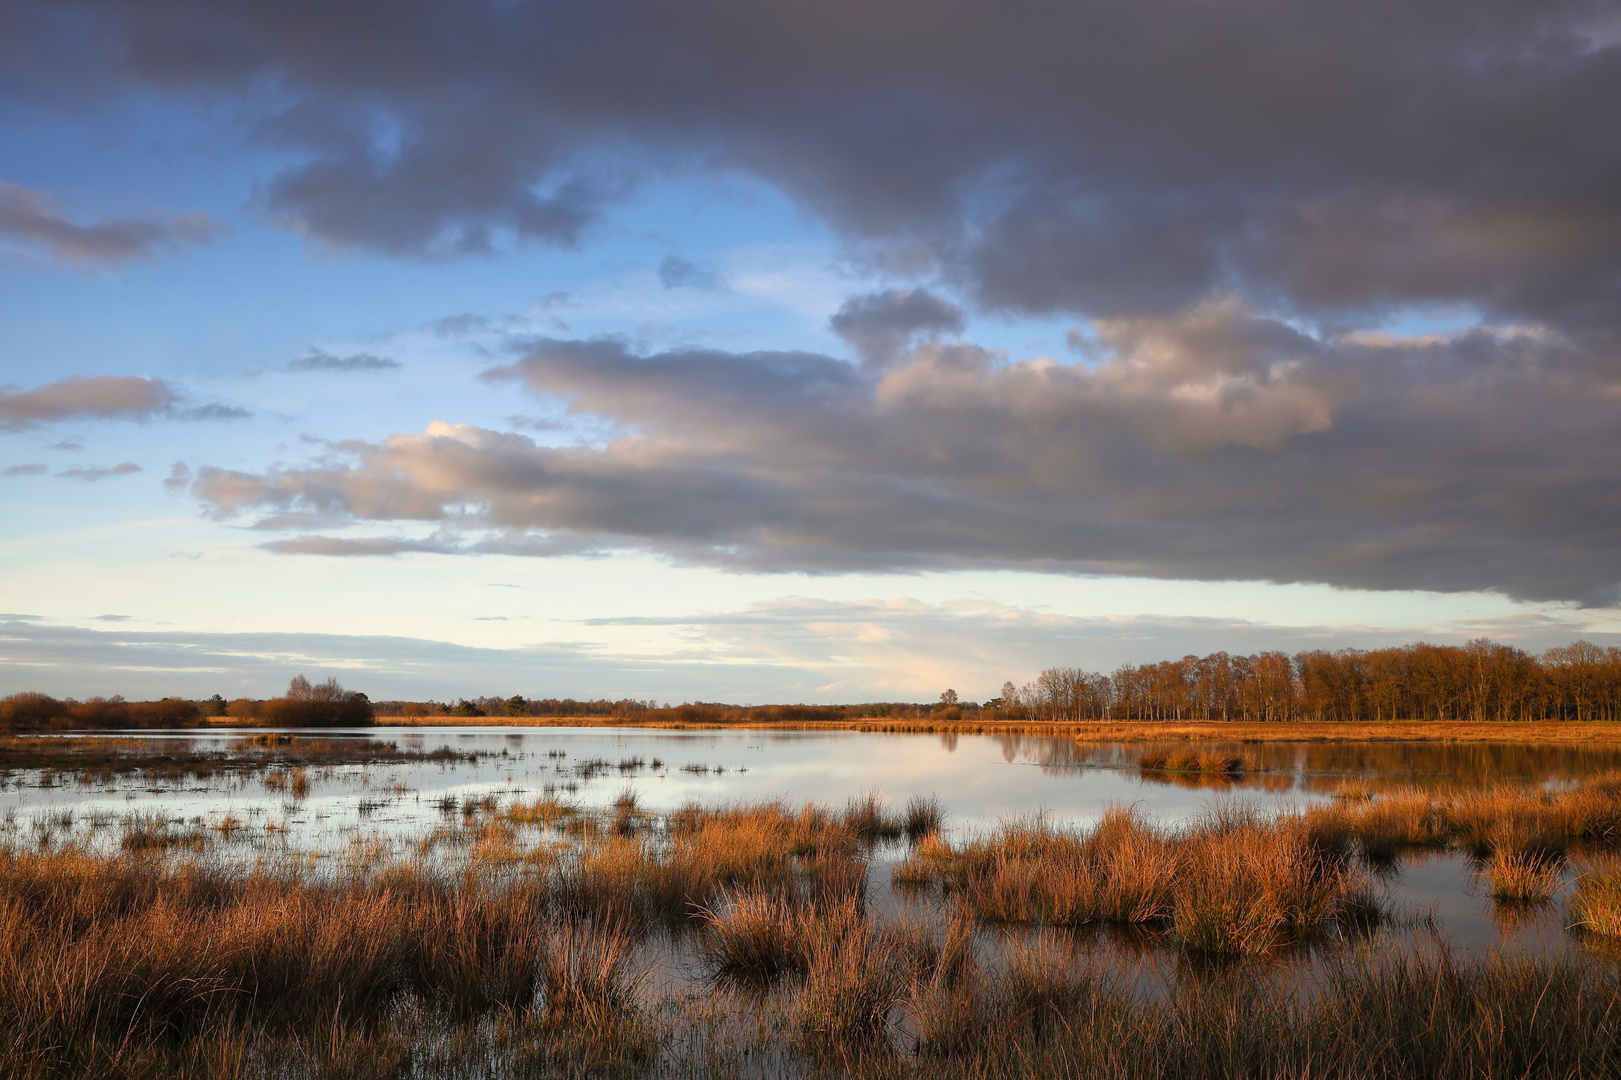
pixel 880 325
pixel 212 410
pixel 905 647
pixel 30 217
pixel 1101 158
pixel 789 649
pixel 342 546
pixel 77 662
pixel 1218 444
pixel 103 397
pixel 114 618
pixel 32 469
pixel 678 273
pixel 321 361
pixel 98 472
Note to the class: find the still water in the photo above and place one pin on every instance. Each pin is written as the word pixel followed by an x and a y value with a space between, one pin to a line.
pixel 979 780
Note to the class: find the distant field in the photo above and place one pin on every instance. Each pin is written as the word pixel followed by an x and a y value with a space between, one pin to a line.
pixel 1122 731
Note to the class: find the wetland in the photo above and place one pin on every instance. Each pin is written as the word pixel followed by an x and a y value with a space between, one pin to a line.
pixel 618 901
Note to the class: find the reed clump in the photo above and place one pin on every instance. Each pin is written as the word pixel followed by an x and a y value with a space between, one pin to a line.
pixel 1229 884
pixel 150 954
pixel 1206 762
pixel 1522 876
pixel 1533 822
pixel 1596 906
pixel 855 973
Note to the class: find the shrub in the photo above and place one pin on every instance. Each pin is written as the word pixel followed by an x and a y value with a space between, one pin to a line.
pixel 243 709
pixel 168 713
pixel 101 713
pixel 325 704
pixel 30 710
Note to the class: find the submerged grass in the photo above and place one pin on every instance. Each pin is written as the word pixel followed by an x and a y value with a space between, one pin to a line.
pixel 512 945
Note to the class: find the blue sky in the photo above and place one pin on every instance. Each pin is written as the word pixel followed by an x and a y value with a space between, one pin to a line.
pixel 836 386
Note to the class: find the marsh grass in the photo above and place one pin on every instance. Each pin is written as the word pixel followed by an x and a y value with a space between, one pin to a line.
pixel 1188 760
pixel 855 973
pixel 1232 883
pixel 924 815
pixel 505 949
pixel 1520 876
pixel 1596 906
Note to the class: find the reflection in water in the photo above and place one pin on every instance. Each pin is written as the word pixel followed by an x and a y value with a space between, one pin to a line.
pixel 356 788
pixel 1321 767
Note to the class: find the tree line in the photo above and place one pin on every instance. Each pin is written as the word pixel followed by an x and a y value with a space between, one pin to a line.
pixel 306 704
pixel 1483 680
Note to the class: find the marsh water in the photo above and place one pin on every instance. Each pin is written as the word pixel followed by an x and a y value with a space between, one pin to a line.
pixel 426 775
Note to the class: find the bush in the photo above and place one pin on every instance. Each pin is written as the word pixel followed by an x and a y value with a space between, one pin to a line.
pixel 30 710
pixel 101 713
pixel 244 709
pixel 170 712
pixel 325 704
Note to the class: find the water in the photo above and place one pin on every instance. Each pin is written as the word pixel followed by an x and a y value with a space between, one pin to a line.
pixel 979 779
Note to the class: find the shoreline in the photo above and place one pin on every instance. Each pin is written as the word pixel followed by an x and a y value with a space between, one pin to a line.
pixel 1415 731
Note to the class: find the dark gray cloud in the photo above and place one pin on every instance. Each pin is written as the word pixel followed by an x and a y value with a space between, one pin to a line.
pixel 93 473
pixel 30 217
pixel 341 546
pixel 323 361
pixel 1223 193
pixel 105 397
pixel 1100 157
pixel 678 273
pixel 879 326
pixel 1216 444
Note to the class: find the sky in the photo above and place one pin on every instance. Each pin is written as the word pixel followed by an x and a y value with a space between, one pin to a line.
pixel 823 352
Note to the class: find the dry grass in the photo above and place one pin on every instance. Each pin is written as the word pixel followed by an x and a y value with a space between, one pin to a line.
pixel 1596 907
pixel 1522 876
pixel 105 957
pixel 1514 819
pixel 1205 762
pixel 500 958
pixel 1232 883
pixel 855 973
pixel 924 815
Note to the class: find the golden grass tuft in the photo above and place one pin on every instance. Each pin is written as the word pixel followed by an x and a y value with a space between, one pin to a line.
pixel 1596 906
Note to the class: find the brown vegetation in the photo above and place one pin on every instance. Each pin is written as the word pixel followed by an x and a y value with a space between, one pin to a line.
pixel 325 704
pixel 1480 681
pixel 40 712
pixel 305 704
pixel 1231 884
pixel 482 952
pixel 1596 907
